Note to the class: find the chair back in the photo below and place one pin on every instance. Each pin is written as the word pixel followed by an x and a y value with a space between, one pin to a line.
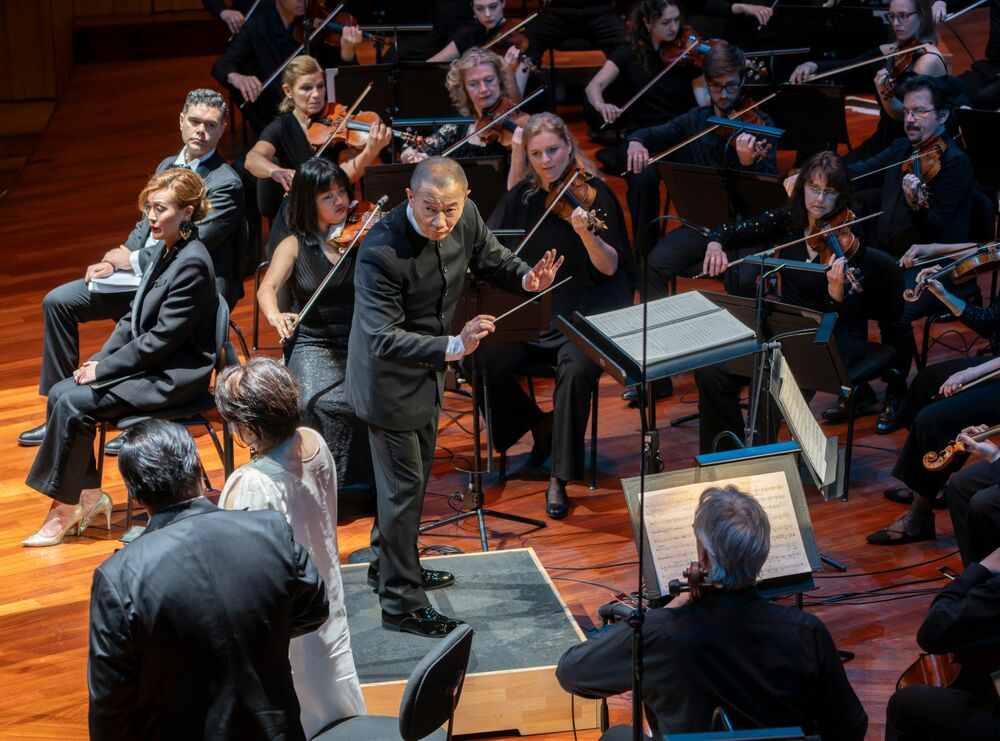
pixel 225 353
pixel 435 685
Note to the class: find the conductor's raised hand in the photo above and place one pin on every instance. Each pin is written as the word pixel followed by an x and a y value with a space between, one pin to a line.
pixel 541 276
pixel 475 331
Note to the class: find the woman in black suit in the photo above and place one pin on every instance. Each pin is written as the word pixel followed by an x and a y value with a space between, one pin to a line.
pixel 160 354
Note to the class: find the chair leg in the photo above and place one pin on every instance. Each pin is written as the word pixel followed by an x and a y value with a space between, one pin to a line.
pixel 593 435
pixel 101 438
pixel 242 340
pixel 925 347
pixel 215 441
pixel 228 463
pixel 503 465
pixel 848 446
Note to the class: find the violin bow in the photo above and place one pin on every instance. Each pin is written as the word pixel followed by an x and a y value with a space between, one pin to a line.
pixel 961 252
pixel 302 46
pixel 495 122
pixel 514 29
pixel 966 386
pixel 652 82
pixel 667 152
pixel 864 62
pixel 959 13
pixel 379 205
pixel 256 4
pixel 911 158
pixel 562 192
pixel 770 251
pixel 345 119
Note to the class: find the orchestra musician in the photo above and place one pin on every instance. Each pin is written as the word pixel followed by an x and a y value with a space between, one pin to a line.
pixel 912 24
pixel 234 17
pixel 603 276
pixel 160 354
pixel 319 205
pixel 926 196
pixel 597 21
pixel 656 28
pixel 284 143
pixel 724 67
pixel 821 194
pixel 408 276
pixel 973 496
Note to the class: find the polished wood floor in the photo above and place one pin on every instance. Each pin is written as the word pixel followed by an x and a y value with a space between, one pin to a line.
pixel 75 199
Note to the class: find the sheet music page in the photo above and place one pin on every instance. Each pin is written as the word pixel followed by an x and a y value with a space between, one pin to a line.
pixel 685 337
pixel 669 517
pixel 803 425
pixel 662 311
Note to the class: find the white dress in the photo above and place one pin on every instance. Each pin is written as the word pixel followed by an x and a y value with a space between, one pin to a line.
pixel 305 492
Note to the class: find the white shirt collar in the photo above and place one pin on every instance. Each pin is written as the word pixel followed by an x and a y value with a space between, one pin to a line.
pixel 413 221
pixel 193 164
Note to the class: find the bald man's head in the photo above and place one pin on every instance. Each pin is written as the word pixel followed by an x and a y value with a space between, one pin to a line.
pixel 438 191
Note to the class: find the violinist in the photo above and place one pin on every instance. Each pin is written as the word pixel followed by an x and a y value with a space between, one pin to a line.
pixel 973 496
pixel 820 197
pixel 767 664
pixel 927 198
pixel 262 45
pixel 724 67
pixel 284 143
pixel 319 203
pixel 654 38
pixel 234 17
pixel 912 24
pixel 478 82
pixel 962 621
pixel 600 263
pixel 941 402
pixel 595 20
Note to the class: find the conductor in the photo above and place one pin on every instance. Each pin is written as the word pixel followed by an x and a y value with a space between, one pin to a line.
pixel 409 275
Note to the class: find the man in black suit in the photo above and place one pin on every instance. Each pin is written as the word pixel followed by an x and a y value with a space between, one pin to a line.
pixel 202 123
pixel 190 624
pixel 410 271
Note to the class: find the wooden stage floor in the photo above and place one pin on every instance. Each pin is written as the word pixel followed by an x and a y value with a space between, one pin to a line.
pixel 75 199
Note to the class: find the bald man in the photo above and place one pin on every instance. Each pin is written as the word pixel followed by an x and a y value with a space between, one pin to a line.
pixel 409 275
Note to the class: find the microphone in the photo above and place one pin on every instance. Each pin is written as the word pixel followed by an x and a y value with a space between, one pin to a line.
pixel 614 611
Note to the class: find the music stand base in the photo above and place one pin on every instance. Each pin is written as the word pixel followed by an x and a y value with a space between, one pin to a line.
pixel 481 513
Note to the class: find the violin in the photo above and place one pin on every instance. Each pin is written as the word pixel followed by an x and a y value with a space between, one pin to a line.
pixel 934 461
pixel 899 64
pixel 935 670
pixel 357 223
pixel 671 51
pixel 354 132
pixel 508 35
pixel 841 242
pixel 580 194
pixel 336 28
pixel 695 581
pixel 504 132
pixel 925 164
pixel 984 260
pixel 332 30
pixel 751 115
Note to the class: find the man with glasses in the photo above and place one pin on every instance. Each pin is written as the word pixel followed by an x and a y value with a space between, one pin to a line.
pixel 936 209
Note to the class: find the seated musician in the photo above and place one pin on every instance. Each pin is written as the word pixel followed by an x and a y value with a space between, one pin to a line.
pixel 478 83
pixel 284 143
pixel 764 664
pixel 912 24
pixel 234 17
pixel 962 621
pixel 725 74
pixel 316 349
pixel 973 496
pixel 262 46
pixel 928 199
pixel 820 195
pixel 202 123
pixel 600 263
pixel 656 31
pixel 449 18
pixel 596 21
pixel 933 421
pixel 161 354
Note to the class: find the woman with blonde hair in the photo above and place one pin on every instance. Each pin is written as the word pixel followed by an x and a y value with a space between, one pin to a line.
pixel 160 354
pixel 294 473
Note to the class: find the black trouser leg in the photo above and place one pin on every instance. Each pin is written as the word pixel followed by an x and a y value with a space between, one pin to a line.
pixel 606 31
pixel 512 412
pixel 643 197
pixel 677 251
pixel 63 308
pixel 899 334
pixel 576 375
pixel 974 504
pixel 402 464
pixel 941 714
pixel 719 407
pixel 65 464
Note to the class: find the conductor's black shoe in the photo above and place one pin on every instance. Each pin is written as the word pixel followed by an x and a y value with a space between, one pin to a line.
pixel 429 579
pixel 113 447
pixel 556 499
pixel 865 400
pixel 423 622
pixel 661 390
pixel 541 450
pixel 31 438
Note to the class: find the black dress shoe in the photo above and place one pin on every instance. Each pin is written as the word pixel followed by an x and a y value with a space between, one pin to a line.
pixel 541 450
pixel 865 400
pixel 909 528
pixel 423 622
pixel 556 499
pixel 31 438
pixel 429 579
pixel 661 390
pixel 888 418
pixel 113 447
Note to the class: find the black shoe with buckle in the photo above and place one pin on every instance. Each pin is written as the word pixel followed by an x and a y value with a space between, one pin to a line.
pixel 429 579
pixel 423 622
pixel 865 400
pixel 31 438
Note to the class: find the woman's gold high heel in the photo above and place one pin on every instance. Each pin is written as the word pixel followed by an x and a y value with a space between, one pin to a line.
pixel 102 506
pixel 36 540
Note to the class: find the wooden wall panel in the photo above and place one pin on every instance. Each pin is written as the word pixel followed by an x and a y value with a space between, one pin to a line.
pixel 169 6
pixel 111 7
pixel 6 84
pixel 30 63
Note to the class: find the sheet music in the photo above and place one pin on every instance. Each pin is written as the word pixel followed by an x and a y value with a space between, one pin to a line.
pixel 678 325
pixel 669 516
pixel 803 425
pixel 120 281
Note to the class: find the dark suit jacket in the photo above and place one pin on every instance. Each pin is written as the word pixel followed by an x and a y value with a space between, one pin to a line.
pixel 406 291
pixel 190 624
pixel 221 231
pixel 169 331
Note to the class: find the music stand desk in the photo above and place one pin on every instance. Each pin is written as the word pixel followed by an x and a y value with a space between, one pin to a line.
pixel 714 195
pixel 486 175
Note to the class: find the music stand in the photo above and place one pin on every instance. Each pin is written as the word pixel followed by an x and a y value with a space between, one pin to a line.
pixel 350 81
pixel 420 91
pixel 486 175
pixel 979 129
pixel 480 297
pixel 717 195
pixel 813 117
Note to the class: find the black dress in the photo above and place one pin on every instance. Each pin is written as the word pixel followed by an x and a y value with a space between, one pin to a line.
pixel 318 358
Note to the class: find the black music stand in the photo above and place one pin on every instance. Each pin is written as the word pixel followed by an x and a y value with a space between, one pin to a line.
pixel 979 129
pixel 480 297
pixel 420 91
pixel 487 180
pixel 350 81
pixel 813 116
pixel 717 195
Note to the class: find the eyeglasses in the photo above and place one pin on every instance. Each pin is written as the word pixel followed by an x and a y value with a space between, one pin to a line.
pixel 821 193
pixel 729 87
pixel 900 17
pixel 916 112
